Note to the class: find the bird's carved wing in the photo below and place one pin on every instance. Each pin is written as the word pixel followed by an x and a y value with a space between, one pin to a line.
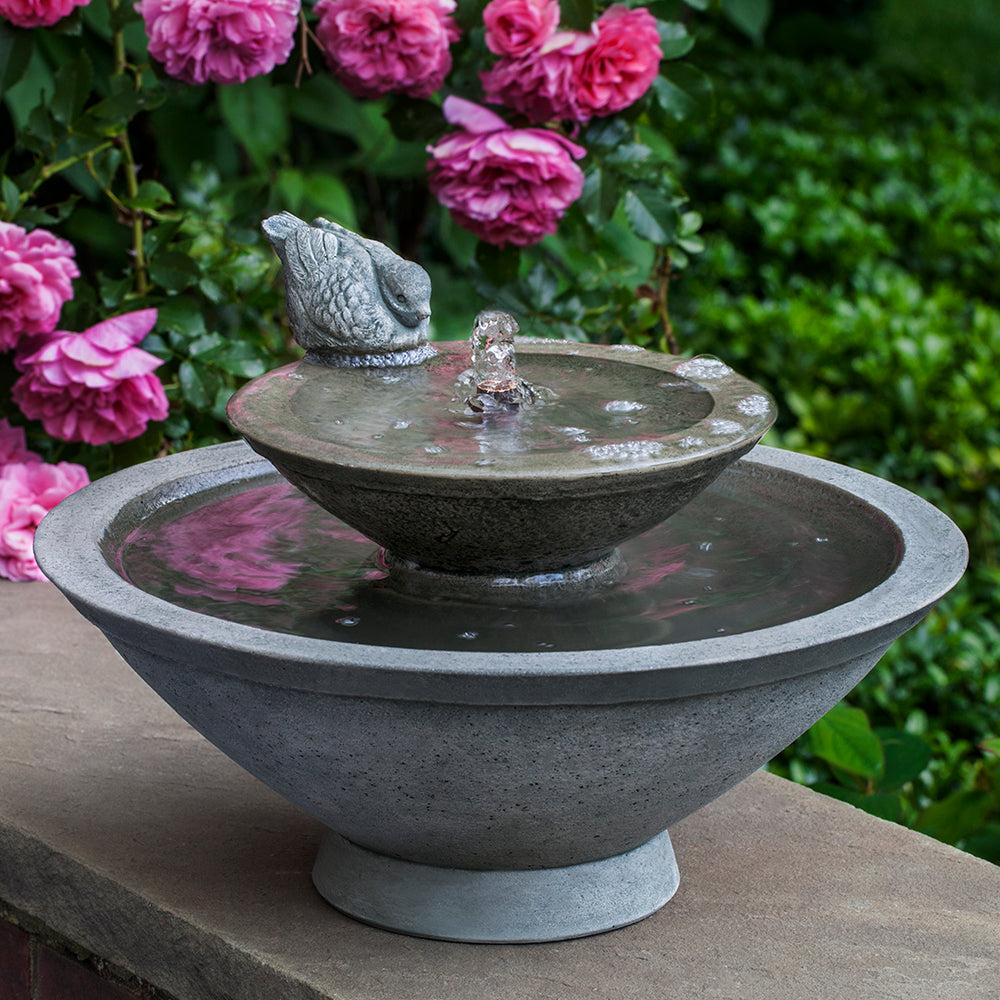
pixel 333 278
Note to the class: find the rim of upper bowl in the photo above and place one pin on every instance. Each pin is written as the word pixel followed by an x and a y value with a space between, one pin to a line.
pixel 255 409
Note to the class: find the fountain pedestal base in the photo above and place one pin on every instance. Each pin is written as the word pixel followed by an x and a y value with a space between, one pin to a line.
pixel 496 907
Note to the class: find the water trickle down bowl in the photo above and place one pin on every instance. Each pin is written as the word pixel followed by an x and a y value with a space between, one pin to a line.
pixel 493 770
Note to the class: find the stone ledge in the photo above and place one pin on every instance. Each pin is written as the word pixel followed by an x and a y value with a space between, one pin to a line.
pixel 125 831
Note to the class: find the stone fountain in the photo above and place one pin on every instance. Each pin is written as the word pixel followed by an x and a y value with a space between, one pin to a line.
pixel 533 617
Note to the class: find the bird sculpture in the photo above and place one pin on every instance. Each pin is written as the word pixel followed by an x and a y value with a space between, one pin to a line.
pixel 351 300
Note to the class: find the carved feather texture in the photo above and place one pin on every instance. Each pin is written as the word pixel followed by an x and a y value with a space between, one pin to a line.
pixel 347 294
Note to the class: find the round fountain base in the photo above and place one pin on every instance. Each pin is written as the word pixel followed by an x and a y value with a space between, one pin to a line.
pixel 496 907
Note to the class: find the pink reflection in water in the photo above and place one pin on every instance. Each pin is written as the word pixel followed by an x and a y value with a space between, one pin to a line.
pixel 239 545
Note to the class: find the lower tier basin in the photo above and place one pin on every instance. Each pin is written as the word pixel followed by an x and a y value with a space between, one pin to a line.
pixel 492 774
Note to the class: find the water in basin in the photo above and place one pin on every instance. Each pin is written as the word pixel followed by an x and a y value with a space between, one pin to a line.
pixel 744 555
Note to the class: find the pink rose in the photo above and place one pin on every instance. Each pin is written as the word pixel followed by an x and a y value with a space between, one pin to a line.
pixel 516 27
pixel 225 41
pixel 96 386
pixel 541 84
pixel 36 13
pixel 376 47
pixel 28 491
pixel 505 185
pixel 36 278
pixel 622 64
pixel 13 446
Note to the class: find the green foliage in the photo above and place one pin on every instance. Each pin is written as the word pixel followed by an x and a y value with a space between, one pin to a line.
pixel 850 243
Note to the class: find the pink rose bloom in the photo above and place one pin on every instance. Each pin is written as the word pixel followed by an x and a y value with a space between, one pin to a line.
pixel 225 41
pixel 96 386
pixel 516 27
pixel 28 491
pixel 505 185
pixel 36 278
pixel 541 84
pixel 376 47
pixel 36 13
pixel 622 64
pixel 13 446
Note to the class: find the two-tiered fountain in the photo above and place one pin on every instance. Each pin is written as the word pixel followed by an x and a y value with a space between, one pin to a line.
pixel 488 662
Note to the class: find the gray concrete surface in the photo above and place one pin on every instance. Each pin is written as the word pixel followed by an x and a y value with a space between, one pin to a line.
pixel 123 829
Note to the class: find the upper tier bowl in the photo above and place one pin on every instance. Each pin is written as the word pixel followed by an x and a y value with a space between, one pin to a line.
pixel 619 440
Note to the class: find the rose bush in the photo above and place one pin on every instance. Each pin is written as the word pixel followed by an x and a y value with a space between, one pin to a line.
pixel 376 47
pixel 517 27
pixel 131 343
pixel 13 444
pixel 222 41
pixel 37 13
pixel 571 74
pixel 36 278
pixel 28 491
pixel 505 185
pixel 618 69
pixel 96 386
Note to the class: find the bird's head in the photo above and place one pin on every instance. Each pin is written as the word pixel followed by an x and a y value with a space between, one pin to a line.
pixel 406 289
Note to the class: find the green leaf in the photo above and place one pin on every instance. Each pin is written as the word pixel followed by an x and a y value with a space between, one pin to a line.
pixel 750 16
pixel 499 264
pixel 329 196
pixel 242 359
pixel 182 315
pixel 16 46
pixel 676 103
pixel 576 14
pixel 155 344
pixel 206 345
pixel 906 756
pixel 111 116
pixel 469 13
pixel 50 215
pixel 150 196
pixel 11 195
pixel 629 153
pixel 73 83
pixel 222 397
pixel 959 815
pixel 601 194
pixel 674 39
pixel 652 215
pixel 256 114
pixel 105 165
pixel 985 843
pixel 114 290
pixel 844 738
pixel 991 745
pixel 606 133
pixel 173 270
pixel 159 236
pixel 682 91
pixel 194 385
pixel 413 120
pixel 698 4
pixel 885 805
